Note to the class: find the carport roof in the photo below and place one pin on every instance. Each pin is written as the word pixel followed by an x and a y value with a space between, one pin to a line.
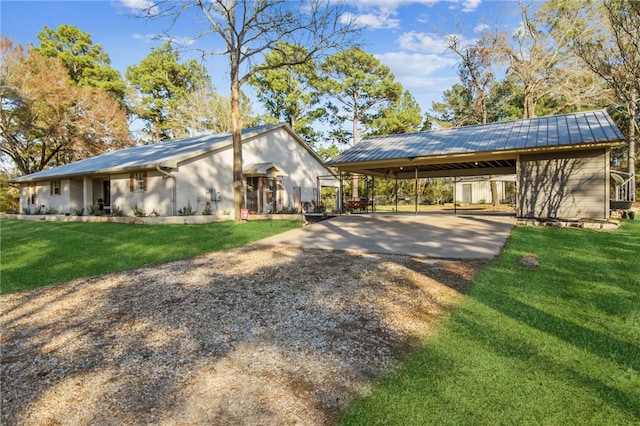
pixel 470 144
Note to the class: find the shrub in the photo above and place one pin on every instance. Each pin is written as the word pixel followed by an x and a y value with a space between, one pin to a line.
pixel 78 212
pixel 51 210
pixel 138 211
pixel 187 210
pixel 117 211
pixel 94 210
pixel 207 210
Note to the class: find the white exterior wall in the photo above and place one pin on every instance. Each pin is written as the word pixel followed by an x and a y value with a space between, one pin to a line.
pixel 480 191
pixel 61 202
pixel 158 195
pixel 197 176
pixel 285 152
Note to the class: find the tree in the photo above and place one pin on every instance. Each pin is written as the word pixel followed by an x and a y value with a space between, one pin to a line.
pixel 475 70
pixel 606 39
pixel 203 109
pixel 163 83
pixel 404 116
pixel 288 93
pixel 45 120
pixel 87 63
pixel 360 84
pixel 249 29
pixel 456 108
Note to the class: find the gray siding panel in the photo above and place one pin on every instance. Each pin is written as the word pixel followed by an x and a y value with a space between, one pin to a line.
pixel 563 185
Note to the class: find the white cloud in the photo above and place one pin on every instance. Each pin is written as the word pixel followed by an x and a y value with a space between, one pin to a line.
pixel 422 42
pixel 405 64
pixel 371 21
pixel 470 5
pixel 141 7
pixel 480 28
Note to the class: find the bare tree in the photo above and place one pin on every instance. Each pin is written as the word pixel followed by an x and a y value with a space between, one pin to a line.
pixel 251 28
pixel 610 46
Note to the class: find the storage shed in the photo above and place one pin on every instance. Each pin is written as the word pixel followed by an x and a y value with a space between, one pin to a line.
pixel 561 163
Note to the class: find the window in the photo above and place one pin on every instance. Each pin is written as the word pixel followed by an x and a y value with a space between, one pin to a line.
pixel 138 182
pixel 55 188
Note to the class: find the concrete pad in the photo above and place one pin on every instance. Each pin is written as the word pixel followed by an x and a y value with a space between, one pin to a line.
pixel 429 235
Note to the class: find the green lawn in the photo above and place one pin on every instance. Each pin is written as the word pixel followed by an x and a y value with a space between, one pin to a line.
pixel 39 253
pixel 555 345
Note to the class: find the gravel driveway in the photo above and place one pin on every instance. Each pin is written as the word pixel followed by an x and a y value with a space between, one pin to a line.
pixel 254 336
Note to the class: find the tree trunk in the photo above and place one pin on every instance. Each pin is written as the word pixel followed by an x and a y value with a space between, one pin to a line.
pixel 236 134
pixel 354 179
pixel 632 133
pixel 495 199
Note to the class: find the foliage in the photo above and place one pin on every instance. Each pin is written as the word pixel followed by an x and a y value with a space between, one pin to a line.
pixel 138 211
pixel 163 83
pixel 117 211
pixel 360 85
pixel 403 116
pixel 207 211
pixel 45 120
pixel 87 63
pixel 288 93
pixel 40 253
pixel 606 39
pixel 186 210
pixel 9 194
pixel 95 210
pixel 527 340
pixel 203 109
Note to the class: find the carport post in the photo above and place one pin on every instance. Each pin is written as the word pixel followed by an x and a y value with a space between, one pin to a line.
pixel 416 192
pixel 396 193
pixel 455 206
pixel 341 194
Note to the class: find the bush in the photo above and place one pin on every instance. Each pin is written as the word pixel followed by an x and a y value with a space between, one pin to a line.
pixel 94 210
pixel 207 210
pixel 117 211
pixel 78 212
pixel 138 211
pixel 187 210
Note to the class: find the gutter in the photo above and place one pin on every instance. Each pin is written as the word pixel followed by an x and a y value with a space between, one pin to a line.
pixel 167 175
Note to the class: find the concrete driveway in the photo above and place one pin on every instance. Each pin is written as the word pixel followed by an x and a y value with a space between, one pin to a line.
pixel 428 235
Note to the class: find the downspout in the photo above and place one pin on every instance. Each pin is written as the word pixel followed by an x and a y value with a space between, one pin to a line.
pixel 167 175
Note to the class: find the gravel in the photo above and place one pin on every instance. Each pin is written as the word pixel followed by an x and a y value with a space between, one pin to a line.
pixel 254 336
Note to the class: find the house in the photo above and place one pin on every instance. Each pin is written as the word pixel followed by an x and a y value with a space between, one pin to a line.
pixel 561 163
pixel 280 173
pixel 477 189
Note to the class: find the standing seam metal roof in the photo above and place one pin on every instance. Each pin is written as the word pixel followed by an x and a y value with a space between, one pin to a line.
pixel 590 127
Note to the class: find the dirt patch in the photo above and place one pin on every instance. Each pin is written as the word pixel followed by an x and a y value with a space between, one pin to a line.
pixel 259 336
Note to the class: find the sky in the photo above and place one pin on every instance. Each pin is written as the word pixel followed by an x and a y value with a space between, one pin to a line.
pixel 406 35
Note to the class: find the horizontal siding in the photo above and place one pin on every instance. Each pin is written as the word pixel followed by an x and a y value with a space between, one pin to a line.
pixel 563 185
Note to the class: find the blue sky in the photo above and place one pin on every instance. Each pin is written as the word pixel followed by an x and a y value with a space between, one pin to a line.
pixel 405 35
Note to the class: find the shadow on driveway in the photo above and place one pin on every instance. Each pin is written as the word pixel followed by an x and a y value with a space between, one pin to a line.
pixel 432 235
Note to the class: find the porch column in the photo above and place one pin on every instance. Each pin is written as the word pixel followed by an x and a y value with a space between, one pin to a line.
pixel 85 194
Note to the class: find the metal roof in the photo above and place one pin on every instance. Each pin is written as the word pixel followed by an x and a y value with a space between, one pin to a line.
pixel 592 127
pixel 163 154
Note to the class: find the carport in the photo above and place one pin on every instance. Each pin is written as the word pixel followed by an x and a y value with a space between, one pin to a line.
pixel 561 163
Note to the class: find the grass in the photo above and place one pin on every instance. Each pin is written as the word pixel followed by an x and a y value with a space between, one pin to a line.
pixel 555 345
pixel 34 254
